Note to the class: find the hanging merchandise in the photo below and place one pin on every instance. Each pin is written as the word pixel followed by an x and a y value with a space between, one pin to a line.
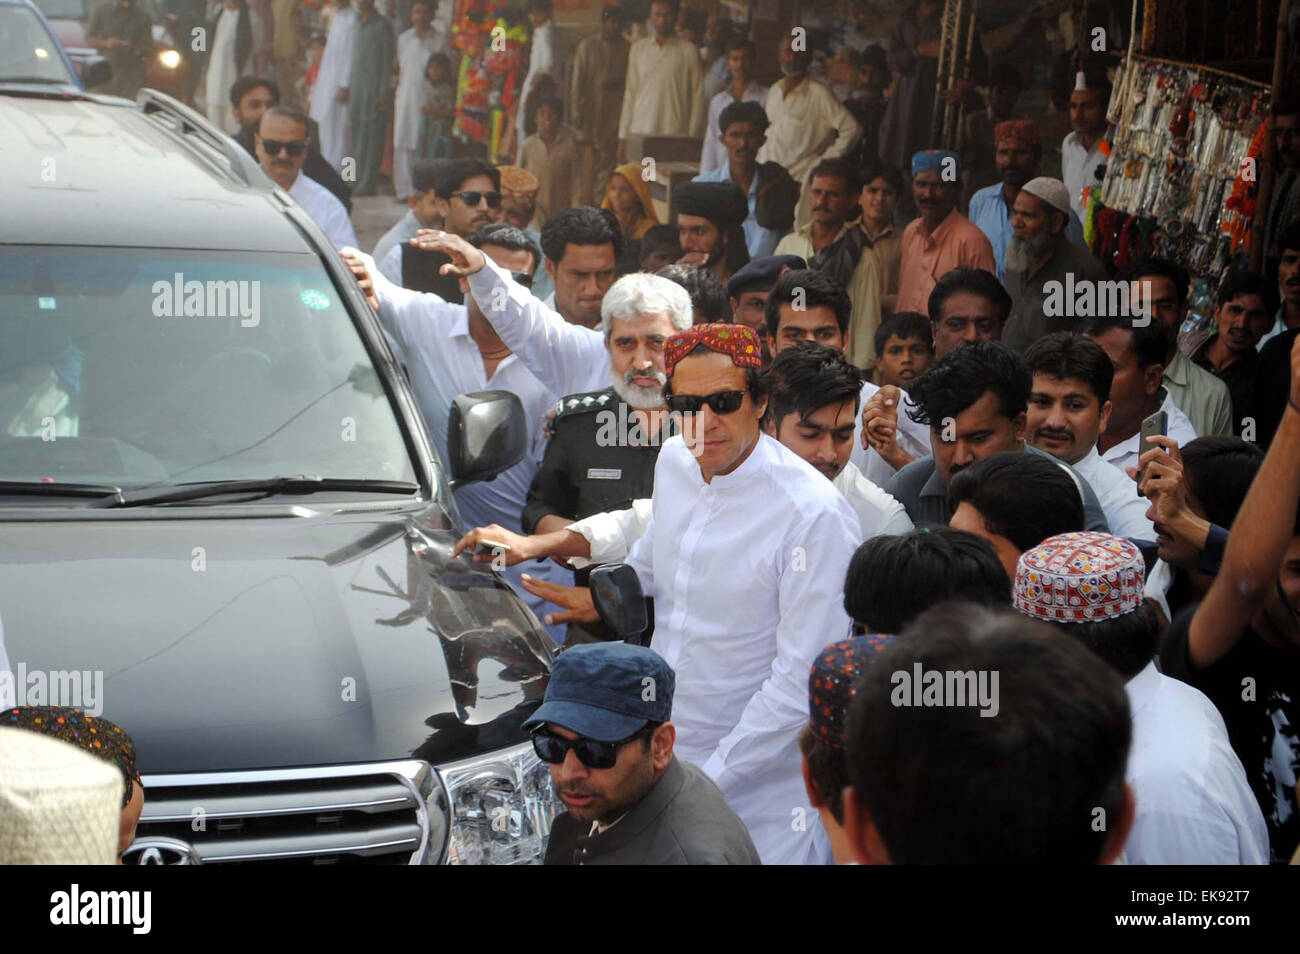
pixel 492 39
pixel 1180 181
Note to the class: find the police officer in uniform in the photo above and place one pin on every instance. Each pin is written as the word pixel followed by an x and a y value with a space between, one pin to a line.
pixel 600 457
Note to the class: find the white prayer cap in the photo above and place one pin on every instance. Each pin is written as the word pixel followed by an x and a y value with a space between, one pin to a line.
pixel 1052 191
pixel 1080 81
pixel 58 805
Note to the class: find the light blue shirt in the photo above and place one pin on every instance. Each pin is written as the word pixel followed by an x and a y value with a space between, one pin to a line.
pixel 758 240
pixel 989 213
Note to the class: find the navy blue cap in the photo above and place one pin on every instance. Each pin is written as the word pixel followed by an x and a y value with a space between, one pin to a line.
pixel 762 271
pixel 607 691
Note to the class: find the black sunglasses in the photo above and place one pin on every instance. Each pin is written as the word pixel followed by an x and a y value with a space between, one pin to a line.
pixel 472 198
pixel 553 749
pixel 720 402
pixel 523 278
pixel 294 148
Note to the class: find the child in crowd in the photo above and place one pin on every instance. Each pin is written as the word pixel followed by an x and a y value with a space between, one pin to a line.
pixel 904 348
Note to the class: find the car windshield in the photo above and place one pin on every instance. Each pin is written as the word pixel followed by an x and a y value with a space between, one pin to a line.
pixel 28 53
pixel 142 367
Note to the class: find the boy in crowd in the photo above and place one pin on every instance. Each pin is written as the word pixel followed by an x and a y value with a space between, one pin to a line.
pixel 904 348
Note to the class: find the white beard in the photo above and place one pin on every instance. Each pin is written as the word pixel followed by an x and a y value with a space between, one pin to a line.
pixel 634 395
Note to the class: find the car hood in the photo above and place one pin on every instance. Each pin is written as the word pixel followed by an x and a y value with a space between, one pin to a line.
pixel 274 641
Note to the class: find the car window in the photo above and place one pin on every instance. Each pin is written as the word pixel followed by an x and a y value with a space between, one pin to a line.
pixel 28 53
pixel 65 9
pixel 142 367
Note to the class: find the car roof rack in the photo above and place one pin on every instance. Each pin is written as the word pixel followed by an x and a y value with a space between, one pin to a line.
pixel 197 131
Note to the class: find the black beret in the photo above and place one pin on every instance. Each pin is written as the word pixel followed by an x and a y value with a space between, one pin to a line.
pixel 761 273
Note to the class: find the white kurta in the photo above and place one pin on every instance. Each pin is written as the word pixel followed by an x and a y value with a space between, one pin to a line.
pixel 335 73
pixel 325 209
pixel 746 596
pixel 807 125
pixel 913 438
pixel 1125 453
pixel 664 95
pixel 714 154
pixel 413 52
pixel 541 59
pixel 222 71
pixel 1194 805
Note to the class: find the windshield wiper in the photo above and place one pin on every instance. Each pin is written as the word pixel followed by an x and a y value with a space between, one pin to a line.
pixel 262 487
pixel 48 488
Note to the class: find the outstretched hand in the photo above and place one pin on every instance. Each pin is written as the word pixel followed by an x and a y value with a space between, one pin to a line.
pixel 575 600
pixel 465 258
pixel 358 268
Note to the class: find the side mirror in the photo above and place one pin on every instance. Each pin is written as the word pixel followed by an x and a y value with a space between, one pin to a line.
pixel 486 434
pixel 618 597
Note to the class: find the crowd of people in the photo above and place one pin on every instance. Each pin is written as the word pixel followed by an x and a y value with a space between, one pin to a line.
pixel 924 585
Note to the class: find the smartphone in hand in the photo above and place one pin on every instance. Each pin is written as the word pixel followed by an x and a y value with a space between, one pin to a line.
pixel 1157 423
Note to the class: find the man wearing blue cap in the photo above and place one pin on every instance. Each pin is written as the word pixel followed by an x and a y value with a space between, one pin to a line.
pixel 940 238
pixel 604 729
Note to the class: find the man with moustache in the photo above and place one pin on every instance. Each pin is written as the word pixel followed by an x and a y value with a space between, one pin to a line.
pixel 609 745
pixel 1244 305
pixel 1040 258
pixel 1069 405
pixel 281 143
pixel 664 93
pixel 770 191
pixel 1018 152
pixel 974 401
pixel 710 216
pixel 940 238
pixel 749 288
pixel 596 91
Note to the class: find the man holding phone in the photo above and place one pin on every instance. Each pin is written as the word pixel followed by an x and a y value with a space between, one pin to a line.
pixel 1137 353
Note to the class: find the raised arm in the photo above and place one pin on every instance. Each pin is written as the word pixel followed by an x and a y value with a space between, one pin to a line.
pixel 1258 542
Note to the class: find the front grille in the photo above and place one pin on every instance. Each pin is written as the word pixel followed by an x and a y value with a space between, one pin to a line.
pixel 387 813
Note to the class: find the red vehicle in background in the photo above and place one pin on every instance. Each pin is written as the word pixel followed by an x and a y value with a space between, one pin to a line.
pixel 166 71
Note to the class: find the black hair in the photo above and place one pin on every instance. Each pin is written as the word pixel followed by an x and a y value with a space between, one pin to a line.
pixel 708 296
pixel 1288 240
pixel 452 175
pixel 659 237
pixel 504 235
pixel 742 111
pixel 841 168
pixel 755 379
pixel 1020 495
pixel 904 325
pixel 1150 341
pixel 1126 643
pixel 1244 282
pixel 829 770
pixel 808 376
pixel 246 84
pixel 1063 354
pixel 1218 472
pixel 424 174
pixel 883 170
pixel 740 43
pixel 438 58
pixel 1006 76
pixel 874 55
pixel 893 579
pixel 545 99
pixel 542 6
pixel 580 225
pixel 1157 266
pixel 974 281
pixel 963 375
pixel 818 290
pixel 289 112
pixel 944 785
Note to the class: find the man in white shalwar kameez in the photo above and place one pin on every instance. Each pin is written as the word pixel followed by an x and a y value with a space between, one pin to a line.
pixel 664 95
pixel 414 47
pixel 329 111
pixel 542 58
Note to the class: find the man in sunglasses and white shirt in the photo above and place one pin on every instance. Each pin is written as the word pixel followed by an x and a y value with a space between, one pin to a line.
pixel 604 730
pixel 281 144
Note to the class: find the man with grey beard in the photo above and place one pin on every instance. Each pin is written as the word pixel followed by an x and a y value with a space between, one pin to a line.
pixel 604 443
pixel 1042 263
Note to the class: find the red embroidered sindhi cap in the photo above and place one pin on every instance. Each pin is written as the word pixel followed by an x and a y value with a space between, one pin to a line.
pixel 1079 578
pixel 736 341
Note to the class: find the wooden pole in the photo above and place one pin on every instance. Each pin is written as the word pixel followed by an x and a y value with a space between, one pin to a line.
pixel 1268 164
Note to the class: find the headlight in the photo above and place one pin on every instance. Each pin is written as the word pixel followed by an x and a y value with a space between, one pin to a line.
pixel 170 59
pixel 502 805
